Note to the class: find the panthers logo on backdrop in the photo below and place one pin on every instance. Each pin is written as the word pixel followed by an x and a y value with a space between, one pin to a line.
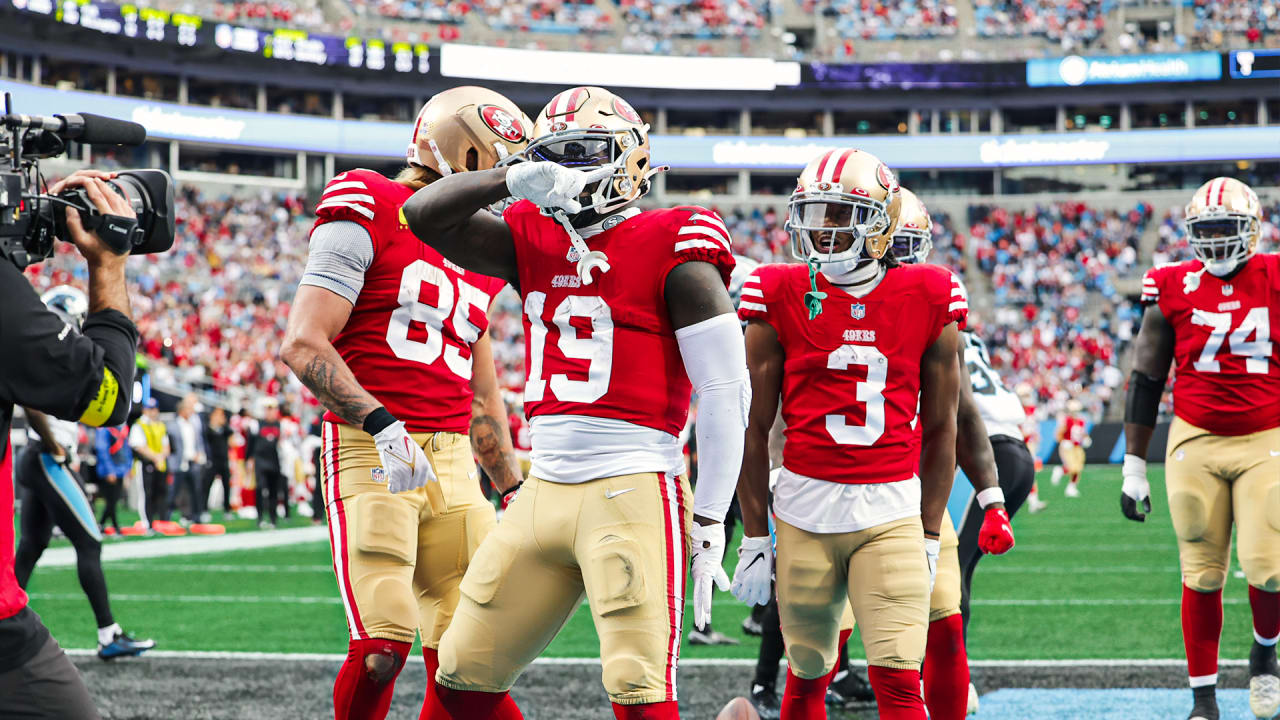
pixel 502 122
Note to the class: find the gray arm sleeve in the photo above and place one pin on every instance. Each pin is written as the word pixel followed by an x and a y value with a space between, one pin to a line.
pixel 341 253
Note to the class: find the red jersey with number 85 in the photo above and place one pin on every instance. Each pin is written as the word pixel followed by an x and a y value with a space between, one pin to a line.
pixel 1227 368
pixel 608 349
pixel 851 377
pixel 408 340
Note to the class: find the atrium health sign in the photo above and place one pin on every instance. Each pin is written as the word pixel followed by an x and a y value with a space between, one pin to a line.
pixel 1074 70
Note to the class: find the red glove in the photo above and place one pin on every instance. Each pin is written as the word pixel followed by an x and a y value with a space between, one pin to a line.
pixel 996 535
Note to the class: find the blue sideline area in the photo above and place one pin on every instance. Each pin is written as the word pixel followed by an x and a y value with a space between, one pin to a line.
pixel 1128 704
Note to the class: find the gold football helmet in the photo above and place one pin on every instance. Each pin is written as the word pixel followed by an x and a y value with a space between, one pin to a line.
pixel 467 128
pixel 913 233
pixel 1223 221
pixel 843 210
pixel 591 127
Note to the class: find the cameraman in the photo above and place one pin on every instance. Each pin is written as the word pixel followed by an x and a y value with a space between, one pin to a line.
pixel 84 377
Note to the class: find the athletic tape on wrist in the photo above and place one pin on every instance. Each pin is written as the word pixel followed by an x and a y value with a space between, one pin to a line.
pixel 989 496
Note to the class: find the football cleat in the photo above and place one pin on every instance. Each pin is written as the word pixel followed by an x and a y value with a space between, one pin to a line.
pixel 124 646
pixel 752 627
pixel 766 702
pixel 1035 504
pixel 1264 681
pixel 971 707
pixel 1072 491
pixel 710 637
pixel 851 687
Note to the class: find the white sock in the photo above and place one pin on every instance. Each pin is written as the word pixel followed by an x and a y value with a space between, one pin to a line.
pixel 1266 642
pixel 107 634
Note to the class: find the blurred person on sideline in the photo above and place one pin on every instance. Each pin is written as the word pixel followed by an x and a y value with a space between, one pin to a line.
pixel 217 439
pixel 262 455
pixel 83 376
pixel 187 458
pixel 115 462
pixel 149 439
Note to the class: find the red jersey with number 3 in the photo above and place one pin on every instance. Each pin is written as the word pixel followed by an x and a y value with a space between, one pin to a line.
pixel 851 378
pixel 1227 368
pixel 408 340
pixel 608 349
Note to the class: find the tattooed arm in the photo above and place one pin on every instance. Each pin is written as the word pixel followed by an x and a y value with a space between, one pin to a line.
pixel 317 316
pixel 490 433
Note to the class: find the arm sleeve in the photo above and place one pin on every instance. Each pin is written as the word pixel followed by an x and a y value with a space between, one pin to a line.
pixel 341 253
pixel 715 359
pixel 950 299
pixel 86 376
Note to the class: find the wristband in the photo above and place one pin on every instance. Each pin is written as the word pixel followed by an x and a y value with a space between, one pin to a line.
pixel 378 420
pixel 931 535
pixel 989 496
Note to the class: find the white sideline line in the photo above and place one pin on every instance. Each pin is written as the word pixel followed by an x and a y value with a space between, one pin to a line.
pixel 685 662
pixel 196 567
pixel 326 600
pixel 191 545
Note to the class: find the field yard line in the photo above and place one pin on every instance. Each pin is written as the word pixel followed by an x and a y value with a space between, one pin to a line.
pixel 191 545
pixel 1075 550
pixel 326 600
pixel 688 662
pixel 196 567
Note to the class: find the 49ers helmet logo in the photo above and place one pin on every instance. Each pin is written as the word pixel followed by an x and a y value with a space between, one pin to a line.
pixel 501 122
pixel 625 111
pixel 885 177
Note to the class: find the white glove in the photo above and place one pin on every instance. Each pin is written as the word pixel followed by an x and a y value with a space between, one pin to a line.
pixel 551 186
pixel 931 549
pixel 403 461
pixel 752 579
pixel 707 568
pixel 1135 491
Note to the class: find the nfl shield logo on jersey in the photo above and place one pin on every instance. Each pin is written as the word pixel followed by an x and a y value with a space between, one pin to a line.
pixel 858 311
pixel 573 255
pixel 378 474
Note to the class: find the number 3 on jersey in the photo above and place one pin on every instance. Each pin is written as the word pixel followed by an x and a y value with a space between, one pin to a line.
pixel 584 331
pixel 432 317
pixel 1256 352
pixel 870 391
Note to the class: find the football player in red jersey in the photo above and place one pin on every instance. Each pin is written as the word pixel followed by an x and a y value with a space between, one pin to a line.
pixel 391 338
pixel 985 528
pixel 858 346
pixel 625 311
pixel 1212 317
pixel 1073 439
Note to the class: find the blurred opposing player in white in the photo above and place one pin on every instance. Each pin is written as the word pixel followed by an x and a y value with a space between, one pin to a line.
pixel 1212 317
pixel 625 311
pixel 391 338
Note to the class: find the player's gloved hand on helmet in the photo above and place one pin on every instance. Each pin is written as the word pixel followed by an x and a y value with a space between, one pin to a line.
pixel 995 537
pixel 707 567
pixel 403 461
pixel 549 185
pixel 753 577
pixel 1136 490
pixel 932 547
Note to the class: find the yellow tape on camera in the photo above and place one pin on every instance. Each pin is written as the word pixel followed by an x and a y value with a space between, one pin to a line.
pixel 99 410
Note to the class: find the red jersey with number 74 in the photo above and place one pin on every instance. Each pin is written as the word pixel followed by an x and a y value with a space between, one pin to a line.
pixel 608 349
pixel 1227 368
pixel 408 340
pixel 851 378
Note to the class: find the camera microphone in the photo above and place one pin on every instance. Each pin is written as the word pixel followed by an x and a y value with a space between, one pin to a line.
pixel 83 127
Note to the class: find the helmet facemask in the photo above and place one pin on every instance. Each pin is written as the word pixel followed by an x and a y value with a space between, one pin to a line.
pixel 589 148
pixel 912 245
pixel 1222 241
pixel 832 229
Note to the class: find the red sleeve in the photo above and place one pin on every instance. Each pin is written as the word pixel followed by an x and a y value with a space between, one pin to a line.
pixel 947 295
pixel 352 197
pixel 700 235
pixel 754 304
pixel 958 309
pixel 518 216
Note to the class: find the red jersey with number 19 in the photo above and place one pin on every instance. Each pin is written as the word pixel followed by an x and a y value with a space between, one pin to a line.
pixel 608 349
pixel 408 340
pixel 851 378
pixel 1227 369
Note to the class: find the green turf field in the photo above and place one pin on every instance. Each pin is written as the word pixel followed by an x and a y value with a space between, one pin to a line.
pixel 1083 582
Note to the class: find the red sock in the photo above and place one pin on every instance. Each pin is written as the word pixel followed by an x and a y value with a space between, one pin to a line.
pixel 357 694
pixel 807 699
pixel 473 705
pixel 1201 628
pixel 648 711
pixel 897 693
pixel 946 670
pixel 431 707
pixel 1266 614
